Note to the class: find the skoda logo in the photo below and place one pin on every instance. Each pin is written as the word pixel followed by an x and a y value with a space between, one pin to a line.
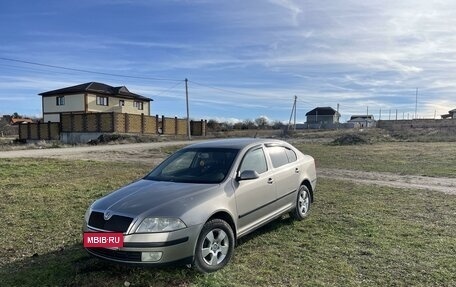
pixel 107 215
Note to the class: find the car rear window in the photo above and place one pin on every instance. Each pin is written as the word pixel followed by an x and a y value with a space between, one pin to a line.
pixel 291 155
pixel 278 156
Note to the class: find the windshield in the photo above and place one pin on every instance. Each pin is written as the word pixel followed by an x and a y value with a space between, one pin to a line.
pixel 195 165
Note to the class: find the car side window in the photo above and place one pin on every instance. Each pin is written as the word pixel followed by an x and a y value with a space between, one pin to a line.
pixel 278 156
pixel 291 155
pixel 254 160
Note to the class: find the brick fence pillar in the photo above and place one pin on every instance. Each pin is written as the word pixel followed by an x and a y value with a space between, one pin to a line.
pixel 126 123
pixel 38 130
pixel 203 127
pixel 98 117
pixel 49 130
pixel 163 124
pixel 113 122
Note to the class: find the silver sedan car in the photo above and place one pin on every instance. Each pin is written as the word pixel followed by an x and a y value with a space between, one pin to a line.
pixel 193 207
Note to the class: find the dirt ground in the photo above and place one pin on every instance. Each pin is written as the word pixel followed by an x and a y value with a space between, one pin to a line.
pixel 152 154
pixel 442 184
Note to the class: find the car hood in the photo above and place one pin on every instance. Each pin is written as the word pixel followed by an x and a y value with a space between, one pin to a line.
pixel 144 196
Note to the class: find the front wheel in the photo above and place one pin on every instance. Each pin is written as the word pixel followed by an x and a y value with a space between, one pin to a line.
pixel 215 246
pixel 302 203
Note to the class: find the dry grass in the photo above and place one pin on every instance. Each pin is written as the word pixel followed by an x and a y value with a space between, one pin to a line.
pixel 356 235
pixel 429 159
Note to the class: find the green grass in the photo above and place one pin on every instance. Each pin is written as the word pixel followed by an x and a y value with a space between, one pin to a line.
pixel 429 159
pixel 47 198
pixel 356 235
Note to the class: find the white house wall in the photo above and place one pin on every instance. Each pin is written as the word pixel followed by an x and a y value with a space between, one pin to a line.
pixel 51 118
pixel 113 106
pixel 72 103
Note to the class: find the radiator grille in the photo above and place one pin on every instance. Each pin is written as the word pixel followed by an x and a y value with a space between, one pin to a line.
pixel 116 223
pixel 116 254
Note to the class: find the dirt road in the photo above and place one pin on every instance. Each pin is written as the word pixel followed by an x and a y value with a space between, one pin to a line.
pixel 151 154
pixel 442 184
pixel 90 152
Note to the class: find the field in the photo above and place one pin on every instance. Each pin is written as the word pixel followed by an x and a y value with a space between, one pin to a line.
pixel 428 159
pixel 356 235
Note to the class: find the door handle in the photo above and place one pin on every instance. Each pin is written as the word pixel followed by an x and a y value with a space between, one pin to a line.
pixel 297 170
pixel 270 180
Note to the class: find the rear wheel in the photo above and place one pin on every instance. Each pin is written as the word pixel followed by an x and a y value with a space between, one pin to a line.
pixel 302 203
pixel 215 246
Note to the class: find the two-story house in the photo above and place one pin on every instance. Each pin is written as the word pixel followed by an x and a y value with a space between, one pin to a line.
pixel 322 117
pixel 92 97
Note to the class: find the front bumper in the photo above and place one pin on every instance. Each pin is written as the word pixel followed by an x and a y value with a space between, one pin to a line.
pixel 176 246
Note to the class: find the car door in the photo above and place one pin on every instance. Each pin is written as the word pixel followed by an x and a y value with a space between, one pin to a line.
pixel 255 198
pixel 286 172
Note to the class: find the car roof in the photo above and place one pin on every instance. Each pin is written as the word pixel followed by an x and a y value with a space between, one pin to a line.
pixel 236 143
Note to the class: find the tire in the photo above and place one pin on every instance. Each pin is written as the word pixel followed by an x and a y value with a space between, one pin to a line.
pixel 215 246
pixel 303 202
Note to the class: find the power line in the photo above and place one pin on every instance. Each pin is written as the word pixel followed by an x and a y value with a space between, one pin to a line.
pixel 28 69
pixel 169 89
pixel 306 102
pixel 88 71
pixel 223 90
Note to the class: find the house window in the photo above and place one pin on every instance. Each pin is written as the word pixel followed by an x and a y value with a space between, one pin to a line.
pixel 60 101
pixel 102 101
pixel 121 103
pixel 138 105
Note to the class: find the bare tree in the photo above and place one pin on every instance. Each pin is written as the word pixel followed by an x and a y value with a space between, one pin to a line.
pixel 261 122
pixel 213 125
pixel 248 125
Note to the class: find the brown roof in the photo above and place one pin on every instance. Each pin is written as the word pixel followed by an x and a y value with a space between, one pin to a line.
pixel 98 88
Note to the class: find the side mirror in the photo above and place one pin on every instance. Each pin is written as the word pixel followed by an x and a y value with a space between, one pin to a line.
pixel 248 174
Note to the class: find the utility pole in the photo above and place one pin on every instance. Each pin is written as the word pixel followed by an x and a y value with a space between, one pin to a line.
pixel 389 117
pixel 294 122
pixel 435 112
pixel 188 113
pixel 380 114
pixel 293 111
pixel 416 103
pixel 396 114
pixel 337 115
pixel 367 111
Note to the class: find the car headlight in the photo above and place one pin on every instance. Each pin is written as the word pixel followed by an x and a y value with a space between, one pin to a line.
pixel 160 224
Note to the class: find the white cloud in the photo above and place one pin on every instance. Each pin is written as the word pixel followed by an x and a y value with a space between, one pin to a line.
pixel 227 120
pixel 353 52
pixel 292 7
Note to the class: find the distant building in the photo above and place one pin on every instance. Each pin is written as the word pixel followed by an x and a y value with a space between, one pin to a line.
pixel 17 121
pixel 362 121
pixel 92 97
pixel 6 118
pixel 322 117
pixel 451 115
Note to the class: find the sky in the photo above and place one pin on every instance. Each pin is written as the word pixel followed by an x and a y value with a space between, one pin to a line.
pixel 243 58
